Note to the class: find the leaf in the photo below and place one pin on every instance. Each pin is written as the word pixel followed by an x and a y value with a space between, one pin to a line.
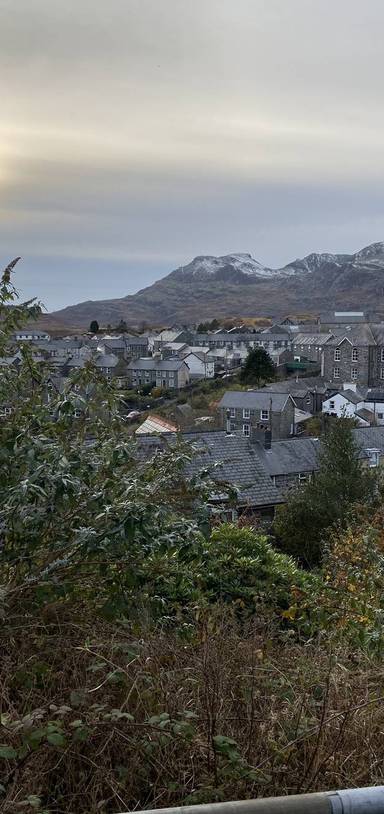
pixel 7 752
pixel 82 733
pixel 77 698
pixel 56 739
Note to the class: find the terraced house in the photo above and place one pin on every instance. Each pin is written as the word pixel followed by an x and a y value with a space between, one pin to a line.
pixel 257 414
pixel 165 373
pixel 355 355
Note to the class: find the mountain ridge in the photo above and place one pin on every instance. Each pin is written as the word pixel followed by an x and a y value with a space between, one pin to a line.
pixel 238 285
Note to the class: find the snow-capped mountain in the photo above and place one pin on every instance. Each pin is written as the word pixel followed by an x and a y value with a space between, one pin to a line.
pixel 239 285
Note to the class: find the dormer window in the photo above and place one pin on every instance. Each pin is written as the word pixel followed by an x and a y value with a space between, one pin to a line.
pixel 337 355
pixel 355 355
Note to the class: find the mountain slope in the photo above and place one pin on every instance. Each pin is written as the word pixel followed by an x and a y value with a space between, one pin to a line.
pixel 238 285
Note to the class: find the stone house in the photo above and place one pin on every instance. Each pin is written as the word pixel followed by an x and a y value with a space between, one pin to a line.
pixel 353 356
pixel 200 366
pixel 165 373
pixel 253 413
pixel 310 345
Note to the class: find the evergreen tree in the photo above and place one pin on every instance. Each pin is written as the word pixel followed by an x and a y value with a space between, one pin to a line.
pixel 94 327
pixel 122 327
pixel 304 523
pixel 258 367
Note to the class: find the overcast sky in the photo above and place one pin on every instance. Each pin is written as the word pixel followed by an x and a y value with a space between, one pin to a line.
pixel 136 134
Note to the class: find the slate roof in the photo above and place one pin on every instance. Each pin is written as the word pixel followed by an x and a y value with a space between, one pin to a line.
pixel 311 339
pixel 229 459
pixel 151 363
pixel 254 399
pixel 350 395
pixel 291 456
pixel 106 360
pixel 365 414
pixel 375 396
pixel 235 461
pixel 300 387
pixel 359 335
pixel 370 437
pixel 344 318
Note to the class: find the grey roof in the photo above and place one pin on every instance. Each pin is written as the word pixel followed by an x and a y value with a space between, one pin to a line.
pixel 366 414
pixel 344 318
pixel 106 360
pixel 300 387
pixel 229 459
pixel 152 363
pixel 375 395
pixel 255 399
pixel 350 395
pixel 137 340
pixel 291 456
pixel 369 437
pixel 175 346
pixel 311 339
pixel 378 333
pixel 278 337
pixel 359 335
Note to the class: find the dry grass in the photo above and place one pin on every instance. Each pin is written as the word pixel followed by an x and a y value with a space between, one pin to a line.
pixel 302 718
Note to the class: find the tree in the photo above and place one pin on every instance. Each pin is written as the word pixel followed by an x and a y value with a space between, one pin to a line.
pixel 122 327
pixel 94 327
pixel 304 524
pixel 258 367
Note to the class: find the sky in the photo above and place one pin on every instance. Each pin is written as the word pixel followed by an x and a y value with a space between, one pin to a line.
pixel 137 134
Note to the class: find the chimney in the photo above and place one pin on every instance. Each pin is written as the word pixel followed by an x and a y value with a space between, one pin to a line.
pixel 262 435
pixel 268 439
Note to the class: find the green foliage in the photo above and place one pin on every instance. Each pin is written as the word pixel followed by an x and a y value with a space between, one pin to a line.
pixel 242 567
pixel 303 524
pixel 258 367
pixel 204 327
pixel 94 327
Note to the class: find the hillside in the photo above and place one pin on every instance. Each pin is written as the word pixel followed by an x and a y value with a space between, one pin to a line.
pixel 238 285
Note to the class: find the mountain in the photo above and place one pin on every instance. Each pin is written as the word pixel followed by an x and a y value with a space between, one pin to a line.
pixel 238 285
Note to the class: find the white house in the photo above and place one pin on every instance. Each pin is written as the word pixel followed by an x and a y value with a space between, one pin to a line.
pixel 348 404
pixel 199 366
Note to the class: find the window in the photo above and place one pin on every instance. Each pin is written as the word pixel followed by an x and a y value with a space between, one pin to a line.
pixel 336 373
pixel 354 372
pixel 246 430
pixel 382 373
pixel 246 413
pixel 380 416
pixel 337 355
pixel 7 411
pixel 264 415
pixel 308 400
pixel 233 412
pixel 332 405
pixel 355 355
pixel 302 478
pixel 373 457
pixel 382 354
pixel 232 426
pixel 77 413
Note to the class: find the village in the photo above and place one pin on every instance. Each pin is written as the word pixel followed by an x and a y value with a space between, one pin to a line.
pixel 262 439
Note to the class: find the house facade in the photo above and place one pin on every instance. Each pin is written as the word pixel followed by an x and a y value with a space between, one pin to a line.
pixel 200 366
pixel 254 413
pixel 353 356
pixel 165 373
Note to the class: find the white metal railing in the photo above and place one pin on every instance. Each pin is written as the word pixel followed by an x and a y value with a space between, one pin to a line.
pixel 349 801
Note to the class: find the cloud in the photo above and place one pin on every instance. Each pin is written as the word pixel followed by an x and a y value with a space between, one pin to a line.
pixel 138 134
